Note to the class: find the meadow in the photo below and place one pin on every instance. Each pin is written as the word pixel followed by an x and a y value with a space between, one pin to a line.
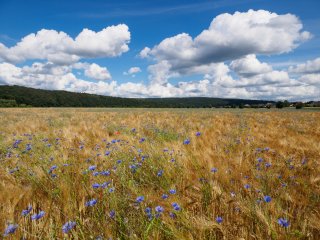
pixel 159 174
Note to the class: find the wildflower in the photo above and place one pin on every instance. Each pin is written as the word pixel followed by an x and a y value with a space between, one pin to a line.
pixel 10 229
pixel 186 142
pixel 164 196
pixel 159 209
pixel 119 161
pixel 268 165
pixel 105 173
pixel 112 214
pixel 260 159
pixel 25 212
pixel 95 174
pixel 140 199
pixel 149 213
pixel 105 184
pixel 267 199
pixel 219 220
pixel 111 190
pixel 148 210
pixel 160 173
pixel 92 168
pixel 214 170
pixel 198 134
pixel 283 222
pixel 172 191
pixel 91 203
pixel 246 186
pixel 107 153
pixel 68 226
pixel 37 216
pixel 52 168
pixel 172 215
pixel 96 185
pixel 142 140
pixel 176 206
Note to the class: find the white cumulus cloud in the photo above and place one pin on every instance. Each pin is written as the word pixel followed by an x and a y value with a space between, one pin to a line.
pixel 60 48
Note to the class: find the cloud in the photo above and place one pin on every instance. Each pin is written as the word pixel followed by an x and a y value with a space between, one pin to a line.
pixel 312 79
pixel 249 66
pixel 312 66
pixel 96 72
pixel 132 71
pixel 60 48
pixel 144 53
pixel 229 37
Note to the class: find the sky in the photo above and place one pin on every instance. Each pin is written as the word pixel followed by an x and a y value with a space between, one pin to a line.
pixel 249 49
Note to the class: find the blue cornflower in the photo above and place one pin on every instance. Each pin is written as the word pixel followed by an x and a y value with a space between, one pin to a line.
pixel 112 214
pixel 37 216
pixel 214 170
pixel 268 165
pixel 186 142
pixel 260 159
pixel 160 173
pixel 140 199
pixel 68 226
pixel 107 153
pixel 28 147
pixel 25 212
pixel 267 199
pixel 95 173
pixel 111 190
pixel 198 134
pixel 105 173
pixel 52 168
pixel 219 220
pixel 148 210
pixel 164 196
pixel 133 130
pixel 91 203
pixel 176 206
pixel 119 161
pixel 246 186
pixel 159 209
pixel 96 185
pixel 149 213
pixel 92 168
pixel 172 215
pixel 142 140
pixel 172 191
pixel 10 229
pixel 105 184
pixel 283 222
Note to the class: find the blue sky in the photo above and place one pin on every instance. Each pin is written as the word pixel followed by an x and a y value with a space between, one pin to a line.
pixel 278 69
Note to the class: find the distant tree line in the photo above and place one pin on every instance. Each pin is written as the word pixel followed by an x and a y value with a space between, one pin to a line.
pixel 17 96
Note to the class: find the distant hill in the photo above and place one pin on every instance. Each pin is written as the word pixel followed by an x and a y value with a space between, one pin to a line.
pixel 14 96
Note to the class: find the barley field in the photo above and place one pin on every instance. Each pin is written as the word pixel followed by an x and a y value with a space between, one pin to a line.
pixel 159 174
